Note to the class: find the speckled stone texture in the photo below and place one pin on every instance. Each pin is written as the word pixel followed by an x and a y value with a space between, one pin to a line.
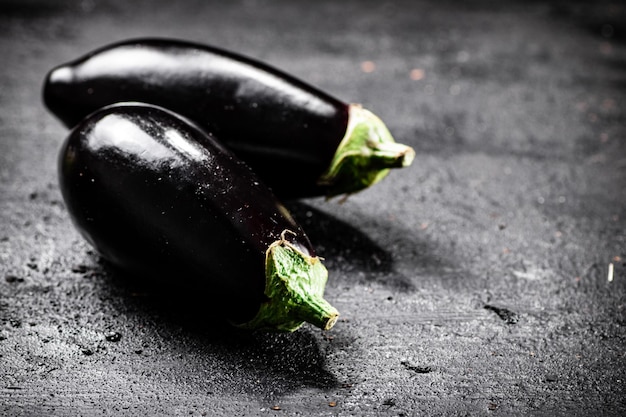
pixel 478 281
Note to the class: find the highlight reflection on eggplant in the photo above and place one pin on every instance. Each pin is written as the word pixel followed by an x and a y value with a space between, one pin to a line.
pixel 156 195
pixel 301 141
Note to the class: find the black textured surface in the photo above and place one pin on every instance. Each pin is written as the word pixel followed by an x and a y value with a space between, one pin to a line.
pixel 475 281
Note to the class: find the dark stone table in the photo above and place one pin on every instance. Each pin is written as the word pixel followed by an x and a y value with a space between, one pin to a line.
pixel 487 278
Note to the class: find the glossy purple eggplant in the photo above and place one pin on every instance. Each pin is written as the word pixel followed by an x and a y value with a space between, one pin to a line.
pixel 301 141
pixel 159 197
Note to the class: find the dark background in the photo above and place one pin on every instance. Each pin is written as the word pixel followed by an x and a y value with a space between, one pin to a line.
pixel 476 281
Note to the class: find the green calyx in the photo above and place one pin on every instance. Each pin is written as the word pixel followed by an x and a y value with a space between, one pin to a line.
pixel 365 154
pixel 294 286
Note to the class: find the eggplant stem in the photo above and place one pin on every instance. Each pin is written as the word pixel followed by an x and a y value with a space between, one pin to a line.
pixel 294 287
pixel 365 154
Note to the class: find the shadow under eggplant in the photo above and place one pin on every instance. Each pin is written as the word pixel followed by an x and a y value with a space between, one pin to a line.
pixel 351 256
pixel 265 364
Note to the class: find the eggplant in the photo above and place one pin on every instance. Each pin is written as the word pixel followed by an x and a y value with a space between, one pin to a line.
pixel 159 197
pixel 301 141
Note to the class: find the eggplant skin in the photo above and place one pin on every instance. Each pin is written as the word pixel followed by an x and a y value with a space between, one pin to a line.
pixel 159 197
pixel 285 129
